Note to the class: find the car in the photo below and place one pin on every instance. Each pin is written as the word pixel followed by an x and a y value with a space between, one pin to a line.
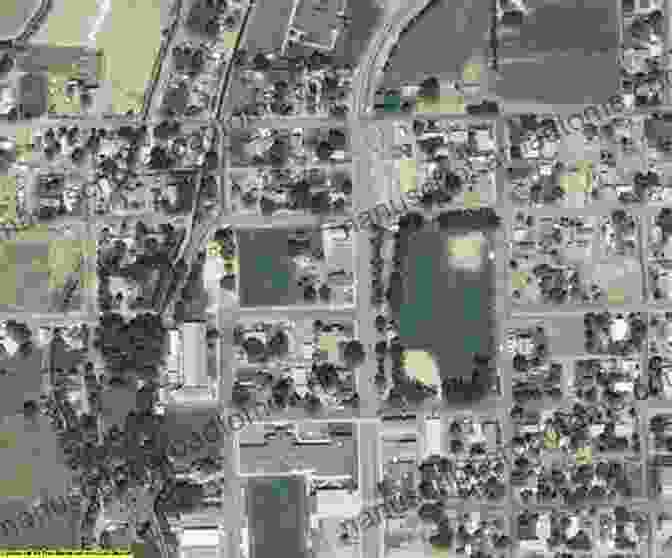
pixel 312 438
pixel 341 429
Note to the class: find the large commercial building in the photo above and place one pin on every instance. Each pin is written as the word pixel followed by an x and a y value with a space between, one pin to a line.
pixel 278 516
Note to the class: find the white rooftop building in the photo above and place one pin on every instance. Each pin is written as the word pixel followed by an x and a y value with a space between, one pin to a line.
pixel 188 350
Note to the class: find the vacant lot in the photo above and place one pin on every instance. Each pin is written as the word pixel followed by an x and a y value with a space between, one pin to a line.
pixel 69 22
pixel 34 270
pixel 267 272
pixel 32 466
pixel 24 277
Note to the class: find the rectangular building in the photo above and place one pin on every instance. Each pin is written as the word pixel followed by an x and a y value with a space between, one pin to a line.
pixel 278 511
pixel 194 356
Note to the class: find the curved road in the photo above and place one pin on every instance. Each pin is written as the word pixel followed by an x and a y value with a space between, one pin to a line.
pixel 377 53
pixel 363 173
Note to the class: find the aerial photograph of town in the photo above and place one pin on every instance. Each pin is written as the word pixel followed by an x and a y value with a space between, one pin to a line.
pixel 235 239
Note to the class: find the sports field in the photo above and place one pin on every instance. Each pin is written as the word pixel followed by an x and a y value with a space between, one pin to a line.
pixel 446 308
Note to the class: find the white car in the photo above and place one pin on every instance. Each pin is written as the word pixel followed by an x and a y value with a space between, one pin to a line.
pixel 312 438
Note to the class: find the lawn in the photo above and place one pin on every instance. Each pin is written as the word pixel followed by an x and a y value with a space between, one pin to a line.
pixel 59 103
pixel 69 22
pixel 444 104
pixel 7 199
pixel 408 175
pixel 130 37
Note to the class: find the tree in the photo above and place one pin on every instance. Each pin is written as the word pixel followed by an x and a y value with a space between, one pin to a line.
pixel 337 139
pixel 282 391
pixel 664 221
pixel 166 129
pixel 309 293
pixel 197 62
pixel 313 403
pixel 318 60
pixel 211 161
pixel 254 349
pixel 267 206
pixel 176 100
pixel 380 381
pixel 327 376
pixel 354 354
pixel 78 155
pixel 325 293
pixel 381 350
pixel 411 222
pixel 278 345
pixel 261 63
pixel 324 151
pixel 6 65
pixel 319 203
pixel 430 88
pixel 202 19
pixel 279 152
pixel 300 194
pixel 159 159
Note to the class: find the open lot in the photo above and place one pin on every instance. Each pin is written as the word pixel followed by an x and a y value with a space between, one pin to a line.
pixel 33 465
pixel 565 336
pixel 40 275
pixel 281 268
pixel 68 23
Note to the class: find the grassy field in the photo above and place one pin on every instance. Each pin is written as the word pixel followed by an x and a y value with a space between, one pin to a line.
pixel 68 22
pixel 130 37
pixel 7 199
